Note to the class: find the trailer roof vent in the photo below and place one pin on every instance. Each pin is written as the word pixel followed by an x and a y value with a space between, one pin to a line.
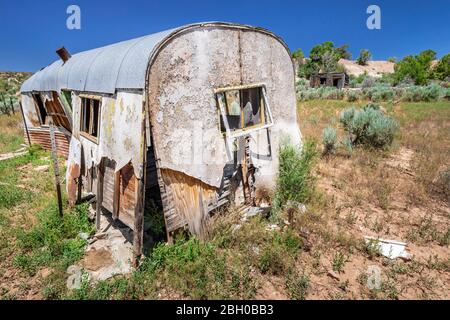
pixel 63 54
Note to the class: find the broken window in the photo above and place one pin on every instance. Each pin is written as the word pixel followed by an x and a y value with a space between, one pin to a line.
pixel 42 112
pixel 242 109
pixel 55 109
pixel 90 117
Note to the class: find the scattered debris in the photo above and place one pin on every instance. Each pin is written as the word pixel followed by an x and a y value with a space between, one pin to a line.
pixel 333 275
pixel 254 211
pixel 108 253
pixel 43 168
pixel 272 227
pixel 84 235
pixel 74 279
pixel 296 205
pixel 10 155
pixel 389 248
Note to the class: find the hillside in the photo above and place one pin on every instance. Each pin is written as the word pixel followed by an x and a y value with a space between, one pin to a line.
pixel 373 68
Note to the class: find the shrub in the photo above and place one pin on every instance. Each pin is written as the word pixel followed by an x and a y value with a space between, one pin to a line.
pixel 432 92
pixel 379 93
pixel 364 57
pixel 352 95
pixel 305 94
pixel 369 126
pixel 297 285
pixel 368 82
pixel 329 140
pixel 295 181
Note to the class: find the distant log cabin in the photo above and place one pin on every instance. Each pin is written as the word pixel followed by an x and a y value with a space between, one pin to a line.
pixel 331 79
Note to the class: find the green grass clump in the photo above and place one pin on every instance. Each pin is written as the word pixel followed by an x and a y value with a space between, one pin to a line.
pixel 54 240
pixel 295 181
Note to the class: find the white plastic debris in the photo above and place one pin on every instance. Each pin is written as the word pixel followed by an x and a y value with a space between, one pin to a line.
pixel 389 248
pixel 84 235
pixel 272 227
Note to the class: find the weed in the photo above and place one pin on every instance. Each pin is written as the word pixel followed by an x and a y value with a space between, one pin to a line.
pixel 295 181
pixel 329 140
pixel 297 285
pixel 339 261
pixel 53 240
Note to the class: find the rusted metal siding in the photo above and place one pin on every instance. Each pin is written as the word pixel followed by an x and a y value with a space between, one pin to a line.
pixel 41 136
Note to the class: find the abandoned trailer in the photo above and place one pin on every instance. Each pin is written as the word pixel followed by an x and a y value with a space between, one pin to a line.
pixel 189 119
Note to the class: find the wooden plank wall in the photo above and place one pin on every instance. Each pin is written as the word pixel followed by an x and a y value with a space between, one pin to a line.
pixel 190 197
pixel 127 195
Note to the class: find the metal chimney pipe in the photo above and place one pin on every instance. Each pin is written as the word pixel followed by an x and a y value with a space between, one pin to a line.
pixel 63 54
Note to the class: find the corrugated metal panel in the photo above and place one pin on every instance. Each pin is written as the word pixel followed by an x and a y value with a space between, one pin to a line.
pixel 42 137
pixel 120 65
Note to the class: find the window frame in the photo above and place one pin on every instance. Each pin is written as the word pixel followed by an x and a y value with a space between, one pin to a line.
pixel 265 111
pixel 88 135
pixel 36 95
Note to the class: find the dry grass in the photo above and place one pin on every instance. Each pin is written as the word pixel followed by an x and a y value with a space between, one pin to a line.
pixel 393 194
pixel 11 133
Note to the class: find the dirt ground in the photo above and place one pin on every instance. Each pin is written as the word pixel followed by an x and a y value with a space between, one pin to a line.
pixel 394 194
pixel 390 195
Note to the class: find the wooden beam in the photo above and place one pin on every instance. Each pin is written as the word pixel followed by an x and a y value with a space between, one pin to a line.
pixel 116 195
pixel 55 165
pixel 100 176
pixel 25 124
pixel 138 232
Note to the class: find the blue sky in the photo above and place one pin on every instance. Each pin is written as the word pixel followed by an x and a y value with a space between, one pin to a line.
pixel 31 31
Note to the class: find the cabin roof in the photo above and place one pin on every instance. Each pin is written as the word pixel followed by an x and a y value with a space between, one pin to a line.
pixel 122 65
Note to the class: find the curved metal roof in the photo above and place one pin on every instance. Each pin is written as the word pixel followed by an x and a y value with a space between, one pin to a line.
pixel 121 65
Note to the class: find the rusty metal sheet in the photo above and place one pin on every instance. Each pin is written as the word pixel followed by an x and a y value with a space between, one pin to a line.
pixel 42 137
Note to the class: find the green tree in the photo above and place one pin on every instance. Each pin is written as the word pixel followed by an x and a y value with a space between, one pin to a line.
pixel 298 54
pixel 308 68
pixel 364 57
pixel 392 59
pixel 417 68
pixel 343 53
pixel 442 69
pixel 319 50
